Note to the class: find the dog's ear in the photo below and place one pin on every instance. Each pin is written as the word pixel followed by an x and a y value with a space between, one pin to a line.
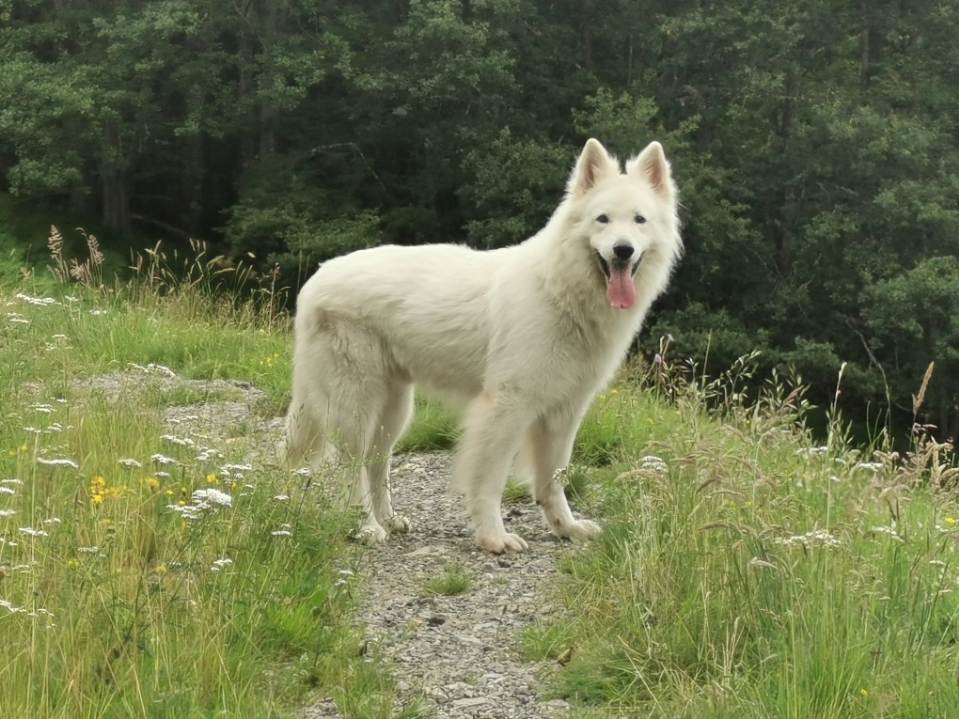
pixel 651 164
pixel 594 164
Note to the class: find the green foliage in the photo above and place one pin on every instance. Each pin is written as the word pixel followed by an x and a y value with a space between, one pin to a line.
pixel 814 143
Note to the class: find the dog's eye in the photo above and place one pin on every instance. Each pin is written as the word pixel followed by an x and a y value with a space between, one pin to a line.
pixel 640 219
pixel 603 218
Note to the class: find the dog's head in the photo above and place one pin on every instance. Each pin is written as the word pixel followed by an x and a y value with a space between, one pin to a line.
pixel 627 218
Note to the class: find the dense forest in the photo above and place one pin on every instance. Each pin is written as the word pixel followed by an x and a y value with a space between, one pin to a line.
pixel 814 144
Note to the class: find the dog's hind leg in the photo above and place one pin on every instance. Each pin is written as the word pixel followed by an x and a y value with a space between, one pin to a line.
pixel 393 422
pixel 550 445
pixel 492 431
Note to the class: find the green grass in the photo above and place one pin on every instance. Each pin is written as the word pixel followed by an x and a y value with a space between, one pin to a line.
pixel 741 575
pixel 115 605
pixel 452 581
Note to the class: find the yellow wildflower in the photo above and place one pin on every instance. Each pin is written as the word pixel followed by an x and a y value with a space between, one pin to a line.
pixel 153 483
pixel 950 521
pixel 212 479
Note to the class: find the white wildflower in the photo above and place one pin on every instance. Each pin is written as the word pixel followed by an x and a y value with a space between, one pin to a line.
pixel 42 408
pixel 6 490
pixel 239 468
pixel 868 466
pixel 58 462
pixel 92 549
pixel 813 538
pixel 213 496
pixel 282 533
pixel 303 472
pixel 221 563
pixel 38 301
pixel 179 441
pixel 281 497
pixel 162 459
pixel 208 454
pixel 129 463
pixel 53 520
pixel 30 531
pixel 4 513
pixel 98 313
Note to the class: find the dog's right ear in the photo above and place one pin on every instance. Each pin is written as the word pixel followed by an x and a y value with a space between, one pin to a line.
pixel 594 164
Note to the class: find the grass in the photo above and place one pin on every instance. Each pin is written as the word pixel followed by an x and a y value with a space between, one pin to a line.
pixel 135 588
pixel 452 581
pixel 745 572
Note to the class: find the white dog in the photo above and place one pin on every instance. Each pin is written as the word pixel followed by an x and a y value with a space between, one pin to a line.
pixel 526 335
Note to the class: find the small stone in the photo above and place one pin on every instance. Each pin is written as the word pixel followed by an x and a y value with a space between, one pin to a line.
pixel 469 702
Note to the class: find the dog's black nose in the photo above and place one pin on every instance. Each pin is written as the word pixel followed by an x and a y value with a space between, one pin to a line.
pixel 623 252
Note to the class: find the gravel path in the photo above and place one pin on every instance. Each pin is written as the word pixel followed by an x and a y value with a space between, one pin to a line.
pixel 459 652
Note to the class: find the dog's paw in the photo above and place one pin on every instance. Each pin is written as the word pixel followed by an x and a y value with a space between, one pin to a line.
pixel 579 529
pixel 370 535
pixel 502 542
pixel 398 523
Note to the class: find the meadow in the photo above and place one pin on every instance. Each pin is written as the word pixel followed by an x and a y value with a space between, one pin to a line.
pixel 748 568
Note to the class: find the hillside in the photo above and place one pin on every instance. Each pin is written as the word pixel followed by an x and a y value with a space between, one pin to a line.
pixel 155 560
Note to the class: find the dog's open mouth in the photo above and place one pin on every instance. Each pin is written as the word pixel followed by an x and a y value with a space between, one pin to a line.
pixel 620 289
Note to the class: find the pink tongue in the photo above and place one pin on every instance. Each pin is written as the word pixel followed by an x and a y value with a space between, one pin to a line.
pixel 620 289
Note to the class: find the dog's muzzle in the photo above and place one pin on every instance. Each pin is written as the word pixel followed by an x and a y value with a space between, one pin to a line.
pixel 618 263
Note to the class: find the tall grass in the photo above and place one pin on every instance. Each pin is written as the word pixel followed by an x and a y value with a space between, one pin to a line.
pixel 146 571
pixel 746 572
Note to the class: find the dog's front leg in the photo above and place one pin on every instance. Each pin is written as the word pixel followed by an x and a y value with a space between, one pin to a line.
pixel 493 429
pixel 551 443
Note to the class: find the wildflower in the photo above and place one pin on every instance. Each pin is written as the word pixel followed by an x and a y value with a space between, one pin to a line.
pixel 4 513
pixel 179 441
pixel 212 479
pixel 38 301
pixel 153 483
pixel 282 533
pixel 161 569
pixel 72 564
pixel 214 496
pixel 816 536
pixel 129 463
pixel 6 490
pixel 949 521
pixel 281 497
pixel 221 563
pixel 162 459
pixel 30 531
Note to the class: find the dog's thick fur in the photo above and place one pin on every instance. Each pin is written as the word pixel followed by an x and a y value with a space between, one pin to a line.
pixel 525 335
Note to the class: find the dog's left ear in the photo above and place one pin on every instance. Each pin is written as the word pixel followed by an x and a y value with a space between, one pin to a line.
pixel 594 164
pixel 652 165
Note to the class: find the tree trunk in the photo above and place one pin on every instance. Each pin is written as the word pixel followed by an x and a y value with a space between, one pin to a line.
pixel 114 182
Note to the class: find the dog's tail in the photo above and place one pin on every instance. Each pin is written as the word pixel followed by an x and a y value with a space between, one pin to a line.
pixel 302 438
